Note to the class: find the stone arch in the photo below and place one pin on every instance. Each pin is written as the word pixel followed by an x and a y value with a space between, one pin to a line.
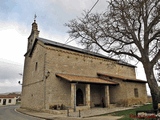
pixel 79 97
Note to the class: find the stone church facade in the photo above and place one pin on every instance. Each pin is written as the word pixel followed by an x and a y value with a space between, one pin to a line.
pixel 56 74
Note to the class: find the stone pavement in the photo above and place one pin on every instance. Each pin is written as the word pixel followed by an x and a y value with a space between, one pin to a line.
pixel 90 114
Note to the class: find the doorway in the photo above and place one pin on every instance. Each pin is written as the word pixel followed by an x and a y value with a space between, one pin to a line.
pixel 79 97
pixel 4 101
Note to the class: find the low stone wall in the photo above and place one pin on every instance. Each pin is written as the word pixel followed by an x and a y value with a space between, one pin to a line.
pixel 55 112
pixel 131 101
pixel 70 110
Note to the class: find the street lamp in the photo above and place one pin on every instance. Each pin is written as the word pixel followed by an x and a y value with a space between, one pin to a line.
pixel 19 82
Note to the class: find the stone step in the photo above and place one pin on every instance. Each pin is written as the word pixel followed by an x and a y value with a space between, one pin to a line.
pixel 112 105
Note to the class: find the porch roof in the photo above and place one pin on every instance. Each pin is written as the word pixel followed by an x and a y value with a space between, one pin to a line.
pixel 85 79
pixel 122 78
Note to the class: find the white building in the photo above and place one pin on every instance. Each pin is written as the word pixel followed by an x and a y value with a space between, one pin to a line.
pixel 7 100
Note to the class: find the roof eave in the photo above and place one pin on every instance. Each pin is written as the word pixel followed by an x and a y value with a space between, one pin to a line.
pixel 86 82
pixel 123 79
pixel 137 81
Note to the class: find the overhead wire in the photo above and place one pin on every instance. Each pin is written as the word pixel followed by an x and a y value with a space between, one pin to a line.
pixel 92 8
pixel 84 17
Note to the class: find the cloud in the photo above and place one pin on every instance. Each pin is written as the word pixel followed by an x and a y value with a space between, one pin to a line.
pixel 16 17
pixel 9 71
pixel 77 6
pixel 13 38
pixel 9 76
pixel 51 14
pixel 10 89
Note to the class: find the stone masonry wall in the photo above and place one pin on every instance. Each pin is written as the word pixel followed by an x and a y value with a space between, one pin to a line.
pixel 142 93
pixel 118 92
pixel 33 80
pixel 123 94
pixel 77 63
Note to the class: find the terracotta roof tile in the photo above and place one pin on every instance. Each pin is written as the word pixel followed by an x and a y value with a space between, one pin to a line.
pixel 122 78
pixel 7 96
pixel 85 79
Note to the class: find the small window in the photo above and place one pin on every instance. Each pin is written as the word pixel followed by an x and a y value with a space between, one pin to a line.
pixel 136 92
pixel 36 66
pixel 9 101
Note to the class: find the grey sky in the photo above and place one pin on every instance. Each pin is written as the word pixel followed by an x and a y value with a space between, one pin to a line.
pixel 16 17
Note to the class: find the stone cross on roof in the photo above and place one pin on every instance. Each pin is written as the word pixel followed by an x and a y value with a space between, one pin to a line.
pixel 35 16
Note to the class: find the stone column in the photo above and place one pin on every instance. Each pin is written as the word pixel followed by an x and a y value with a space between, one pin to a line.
pixel 73 95
pixel 107 98
pixel 88 95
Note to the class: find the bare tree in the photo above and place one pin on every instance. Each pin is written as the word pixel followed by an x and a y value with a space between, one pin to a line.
pixel 128 28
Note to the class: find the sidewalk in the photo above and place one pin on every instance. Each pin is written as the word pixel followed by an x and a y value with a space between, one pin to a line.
pixel 90 114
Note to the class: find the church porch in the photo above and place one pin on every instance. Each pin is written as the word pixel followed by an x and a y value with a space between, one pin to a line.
pixel 87 92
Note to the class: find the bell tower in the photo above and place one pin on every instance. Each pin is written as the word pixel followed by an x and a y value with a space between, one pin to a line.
pixel 34 34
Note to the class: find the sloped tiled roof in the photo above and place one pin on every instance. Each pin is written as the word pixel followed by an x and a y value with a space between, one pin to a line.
pixel 122 78
pixel 69 47
pixel 7 96
pixel 84 51
pixel 85 79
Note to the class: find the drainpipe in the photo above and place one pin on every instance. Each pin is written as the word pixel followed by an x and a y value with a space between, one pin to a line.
pixel 44 78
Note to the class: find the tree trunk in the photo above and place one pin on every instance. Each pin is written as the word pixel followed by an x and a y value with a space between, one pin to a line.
pixel 155 92
pixel 155 100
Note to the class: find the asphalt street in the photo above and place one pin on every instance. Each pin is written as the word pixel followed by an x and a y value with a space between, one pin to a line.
pixel 10 113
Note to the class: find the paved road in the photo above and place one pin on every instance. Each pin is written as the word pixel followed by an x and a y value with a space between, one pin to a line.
pixel 9 113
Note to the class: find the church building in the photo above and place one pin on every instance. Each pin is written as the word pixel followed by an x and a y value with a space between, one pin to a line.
pixel 59 74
